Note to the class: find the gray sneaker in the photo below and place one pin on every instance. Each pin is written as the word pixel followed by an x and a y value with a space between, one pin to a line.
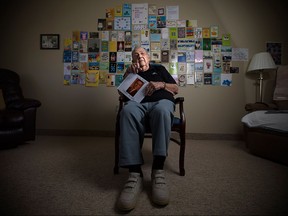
pixel 130 193
pixel 160 190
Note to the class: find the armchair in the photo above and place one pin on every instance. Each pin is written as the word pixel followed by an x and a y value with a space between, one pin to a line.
pixel 18 117
pixel 179 126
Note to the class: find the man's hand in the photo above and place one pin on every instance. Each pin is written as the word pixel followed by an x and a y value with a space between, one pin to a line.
pixel 134 68
pixel 154 86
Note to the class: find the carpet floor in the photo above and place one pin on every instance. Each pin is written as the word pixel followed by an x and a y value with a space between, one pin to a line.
pixel 66 175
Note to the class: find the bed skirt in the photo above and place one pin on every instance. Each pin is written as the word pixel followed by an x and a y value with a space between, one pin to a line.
pixel 266 143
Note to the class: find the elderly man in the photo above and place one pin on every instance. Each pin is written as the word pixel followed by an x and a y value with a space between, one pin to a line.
pixel 157 110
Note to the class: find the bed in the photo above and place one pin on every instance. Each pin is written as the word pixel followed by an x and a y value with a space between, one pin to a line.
pixel 266 125
pixel 266 134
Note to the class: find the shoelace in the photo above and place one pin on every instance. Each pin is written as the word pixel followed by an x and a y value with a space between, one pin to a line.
pixel 160 180
pixel 131 183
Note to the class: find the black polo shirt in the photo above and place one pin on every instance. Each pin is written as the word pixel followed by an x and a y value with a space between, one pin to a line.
pixel 158 73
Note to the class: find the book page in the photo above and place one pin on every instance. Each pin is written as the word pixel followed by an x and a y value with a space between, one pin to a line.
pixel 133 87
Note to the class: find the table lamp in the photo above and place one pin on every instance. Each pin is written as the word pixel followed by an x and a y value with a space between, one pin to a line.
pixel 261 62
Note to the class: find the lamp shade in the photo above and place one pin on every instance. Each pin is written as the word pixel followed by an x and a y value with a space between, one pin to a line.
pixel 261 61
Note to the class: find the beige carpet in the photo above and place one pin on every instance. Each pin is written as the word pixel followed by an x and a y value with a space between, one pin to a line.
pixel 58 175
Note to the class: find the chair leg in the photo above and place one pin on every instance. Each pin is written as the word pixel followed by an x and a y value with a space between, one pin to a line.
pixel 182 154
pixel 116 143
pixel 116 160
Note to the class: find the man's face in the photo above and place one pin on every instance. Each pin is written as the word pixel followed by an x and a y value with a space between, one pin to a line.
pixel 141 56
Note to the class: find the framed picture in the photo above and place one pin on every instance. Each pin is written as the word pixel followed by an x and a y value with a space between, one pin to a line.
pixel 49 41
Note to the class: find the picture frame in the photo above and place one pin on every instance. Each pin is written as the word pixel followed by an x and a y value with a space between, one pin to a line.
pixel 49 41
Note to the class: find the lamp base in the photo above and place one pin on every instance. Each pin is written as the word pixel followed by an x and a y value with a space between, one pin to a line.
pixel 261 86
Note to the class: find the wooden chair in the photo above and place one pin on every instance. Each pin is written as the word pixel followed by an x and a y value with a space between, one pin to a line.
pixel 179 126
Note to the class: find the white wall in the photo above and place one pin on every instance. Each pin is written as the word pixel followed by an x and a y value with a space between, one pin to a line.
pixel 209 109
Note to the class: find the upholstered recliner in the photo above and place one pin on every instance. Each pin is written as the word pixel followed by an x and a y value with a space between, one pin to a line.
pixel 18 116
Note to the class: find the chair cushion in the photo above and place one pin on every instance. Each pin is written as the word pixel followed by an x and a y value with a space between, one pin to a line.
pixel 176 121
pixel 11 119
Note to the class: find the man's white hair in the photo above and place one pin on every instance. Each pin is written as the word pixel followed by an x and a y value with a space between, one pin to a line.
pixel 137 47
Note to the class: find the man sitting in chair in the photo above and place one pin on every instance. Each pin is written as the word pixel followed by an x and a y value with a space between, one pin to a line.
pixel 157 108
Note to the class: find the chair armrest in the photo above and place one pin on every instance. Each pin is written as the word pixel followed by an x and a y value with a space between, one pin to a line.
pixel 260 106
pixel 24 104
pixel 180 102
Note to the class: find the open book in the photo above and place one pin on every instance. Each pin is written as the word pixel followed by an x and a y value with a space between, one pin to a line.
pixel 133 87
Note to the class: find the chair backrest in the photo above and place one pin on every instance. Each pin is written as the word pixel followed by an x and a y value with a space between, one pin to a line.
pixel 280 95
pixel 2 102
pixel 10 86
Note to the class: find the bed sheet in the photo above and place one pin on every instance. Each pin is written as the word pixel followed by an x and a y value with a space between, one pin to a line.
pixel 276 120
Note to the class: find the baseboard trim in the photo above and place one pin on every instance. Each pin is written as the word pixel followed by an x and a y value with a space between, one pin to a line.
pixel 194 136
pixel 56 132
pixel 210 136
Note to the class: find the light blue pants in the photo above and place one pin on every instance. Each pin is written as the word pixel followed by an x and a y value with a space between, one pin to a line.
pixel 133 118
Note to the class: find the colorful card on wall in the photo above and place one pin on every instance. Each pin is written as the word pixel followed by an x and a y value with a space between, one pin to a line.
pixel 179 44
pixel 92 78
pixel 102 77
pixel 214 31
pixel 67 56
pixel 94 34
pixel 110 12
pixel 109 24
pixel 76 36
pixel 112 67
pixel 206 44
pixel 120 67
pixel 152 22
pixel 118 11
pixel 110 80
pixel 152 10
pixel 173 68
pixel 226 39
pixel 140 14
pixel 226 79
pixel 171 23
pixel 67 43
pixel 206 32
pixel 191 23
pixel 165 56
pixel 208 65
pixel 94 45
pixel 104 46
pixel 101 24
pixel 161 21
pixel 155 35
pixel 216 79
pixel 181 32
pixel 122 23
pixel 127 9
pixel 118 79
pixel 207 79
pixel 173 33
